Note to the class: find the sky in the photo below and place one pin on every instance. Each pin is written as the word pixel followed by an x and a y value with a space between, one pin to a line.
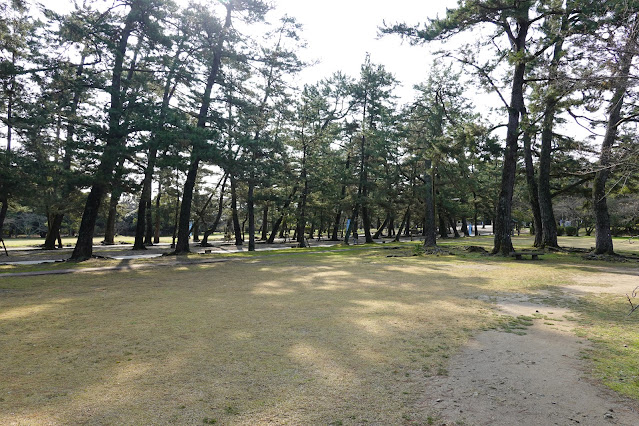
pixel 339 33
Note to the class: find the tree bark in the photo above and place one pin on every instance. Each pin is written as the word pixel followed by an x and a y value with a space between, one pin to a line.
pixel 430 234
pixel 182 245
pixel 237 229
pixel 156 235
pixel 109 232
pixel 54 231
pixel 603 236
pixel 114 141
pixel 401 226
pixel 533 190
pixel 212 228
pixel 464 225
pixel 503 214
pixel 264 222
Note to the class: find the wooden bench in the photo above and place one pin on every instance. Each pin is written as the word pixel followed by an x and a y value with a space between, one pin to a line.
pixel 533 254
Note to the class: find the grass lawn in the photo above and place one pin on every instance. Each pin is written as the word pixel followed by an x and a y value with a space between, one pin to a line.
pixel 336 337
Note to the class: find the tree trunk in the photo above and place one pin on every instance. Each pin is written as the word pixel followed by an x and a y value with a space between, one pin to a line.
pixel 148 237
pixel 380 228
pixel 220 207
pixel 237 230
pixel 430 234
pixel 195 230
pixel 278 222
pixel 156 235
pixel 464 225
pixel 301 214
pixel 143 204
pixel 114 141
pixel 189 185
pixel 250 207
pixel 109 232
pixel 264 222
pixel 503 214
pixel 54 231
pixel 401 226
pixel 443 229
pixel 453 224
pixel 603 236
pixel 533 191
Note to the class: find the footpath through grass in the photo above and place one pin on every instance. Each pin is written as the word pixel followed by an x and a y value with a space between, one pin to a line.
pixel 338 337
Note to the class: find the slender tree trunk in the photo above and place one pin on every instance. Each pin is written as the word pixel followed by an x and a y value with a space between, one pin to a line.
pixel 237 230
pixel 301 221
pixel 464 225
pixel 533 190
pixel 143 204
pixel 109 232
pixel 189 185
pixel 278 222
pixel 338 215
pixel 148 237
pixel 220 208
pixel 156 236
pixel 251 212
pixel 503 214
pixel 430 233
pixel 401 226
pixel 264 222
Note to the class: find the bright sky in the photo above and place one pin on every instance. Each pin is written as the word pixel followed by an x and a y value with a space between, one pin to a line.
pixel 339 33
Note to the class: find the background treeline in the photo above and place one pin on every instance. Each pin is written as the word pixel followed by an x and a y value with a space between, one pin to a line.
pixel 153 118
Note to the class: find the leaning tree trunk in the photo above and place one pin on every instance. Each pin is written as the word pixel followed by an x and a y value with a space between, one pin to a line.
pixel 381 227
pixel 401 226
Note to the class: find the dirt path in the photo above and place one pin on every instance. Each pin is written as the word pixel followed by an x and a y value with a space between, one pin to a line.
pixel 533 379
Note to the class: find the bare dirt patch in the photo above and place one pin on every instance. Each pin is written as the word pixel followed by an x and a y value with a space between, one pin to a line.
pixel 537 378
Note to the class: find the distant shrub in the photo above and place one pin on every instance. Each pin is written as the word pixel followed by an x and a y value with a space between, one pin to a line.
pixel 571 231
pixel 561 231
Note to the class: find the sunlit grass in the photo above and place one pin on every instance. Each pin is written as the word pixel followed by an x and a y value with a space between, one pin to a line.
pixel 303 336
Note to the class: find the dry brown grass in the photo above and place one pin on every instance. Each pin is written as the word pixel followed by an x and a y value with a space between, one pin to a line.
pixel 309 339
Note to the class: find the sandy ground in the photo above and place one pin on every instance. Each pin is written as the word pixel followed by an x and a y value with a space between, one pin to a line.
pixel 534 379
